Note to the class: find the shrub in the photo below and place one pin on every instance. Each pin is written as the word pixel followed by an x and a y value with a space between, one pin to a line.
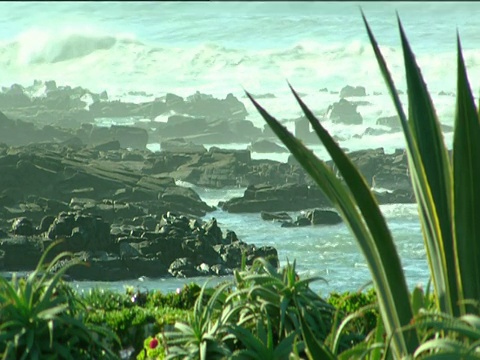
pixel 135 315
pixel 41 318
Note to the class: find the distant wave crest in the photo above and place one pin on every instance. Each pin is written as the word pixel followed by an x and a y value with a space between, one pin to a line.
pixel 40 46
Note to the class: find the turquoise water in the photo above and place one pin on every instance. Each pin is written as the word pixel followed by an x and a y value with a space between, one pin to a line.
pixel 141 50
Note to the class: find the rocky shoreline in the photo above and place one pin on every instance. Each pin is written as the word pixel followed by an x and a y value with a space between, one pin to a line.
pixel 116 205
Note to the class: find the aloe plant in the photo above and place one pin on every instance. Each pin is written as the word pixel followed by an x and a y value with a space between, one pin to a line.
pixel 202 336
pixel 40 318
pixel 448 198
pixel 264 312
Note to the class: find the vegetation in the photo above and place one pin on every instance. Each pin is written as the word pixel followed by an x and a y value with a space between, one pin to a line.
pixel 135 315
pixel 263 313
pixel 41 318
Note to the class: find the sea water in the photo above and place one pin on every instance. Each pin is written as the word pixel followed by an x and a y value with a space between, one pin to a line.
pixel 139 51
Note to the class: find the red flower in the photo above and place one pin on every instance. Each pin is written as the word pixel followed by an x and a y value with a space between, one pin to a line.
pixel 153 343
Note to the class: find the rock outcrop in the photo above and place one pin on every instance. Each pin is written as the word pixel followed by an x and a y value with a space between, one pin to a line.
pixel 171 245
pixel 288 197
pixel 344 112
pixel 351 91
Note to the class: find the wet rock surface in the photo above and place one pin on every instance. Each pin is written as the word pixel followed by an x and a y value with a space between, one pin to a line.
pixel 62 177
pixel 47 112
pixel 173 245
pixel 344 112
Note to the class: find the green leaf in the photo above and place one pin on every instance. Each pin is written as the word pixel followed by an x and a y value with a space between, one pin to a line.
pixel 466 169
pixel 373 237
pixel 315 350
pixel 431 228
pixel 418 299
pixel 428 135
pixel 395 300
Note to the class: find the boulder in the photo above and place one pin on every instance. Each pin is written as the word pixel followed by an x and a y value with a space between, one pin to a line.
pixel 275 216
pixel 23 226
pixel 288 197
pixel 344 112
pixel 323 217
pixel 81 232
pixel 390 121
pixel 350 91
pixel 20 252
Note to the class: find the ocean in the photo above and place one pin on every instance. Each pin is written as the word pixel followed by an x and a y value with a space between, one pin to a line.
pixel 138 51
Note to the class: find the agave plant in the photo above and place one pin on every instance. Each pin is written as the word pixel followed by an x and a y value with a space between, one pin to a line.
pixel 282 295
pixel 263 312
pixel 446 191
pixel 202 336
pixel 39 318
pixel 260 344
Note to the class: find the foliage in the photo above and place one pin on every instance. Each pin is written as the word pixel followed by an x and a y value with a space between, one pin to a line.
pixel 461 337
pixel 446 191
pixel 40 317
pixel 150 351
pixel 135 315
pixel 264 312
pixel 349 303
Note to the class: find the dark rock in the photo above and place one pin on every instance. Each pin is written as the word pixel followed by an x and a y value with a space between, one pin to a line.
pixel 279 216
pixel 344 112
pixel 446 93
pixel 302 220
pixel 81 232
pixel 288 224
pixel 288 197
pixel 179 126
pixel 99 266
pixel 107 146
pixel 45 223
pixel 323 217
pixel 23 226
pixel 395 197
pixel 220 270
pixel 172 100
pixel 390 121
pixel 349 91
pixel 265 146
pixel 132 156
pixel 213 232
pixel 127 136
pixel 21 253
pixel 181 146
pixel 14 97
pixel 183 267
pixel 372 132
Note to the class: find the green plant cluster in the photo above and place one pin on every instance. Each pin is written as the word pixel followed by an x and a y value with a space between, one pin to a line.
pixel 42 318
pixel 263 313
pixel 361 303
pixel 135 315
